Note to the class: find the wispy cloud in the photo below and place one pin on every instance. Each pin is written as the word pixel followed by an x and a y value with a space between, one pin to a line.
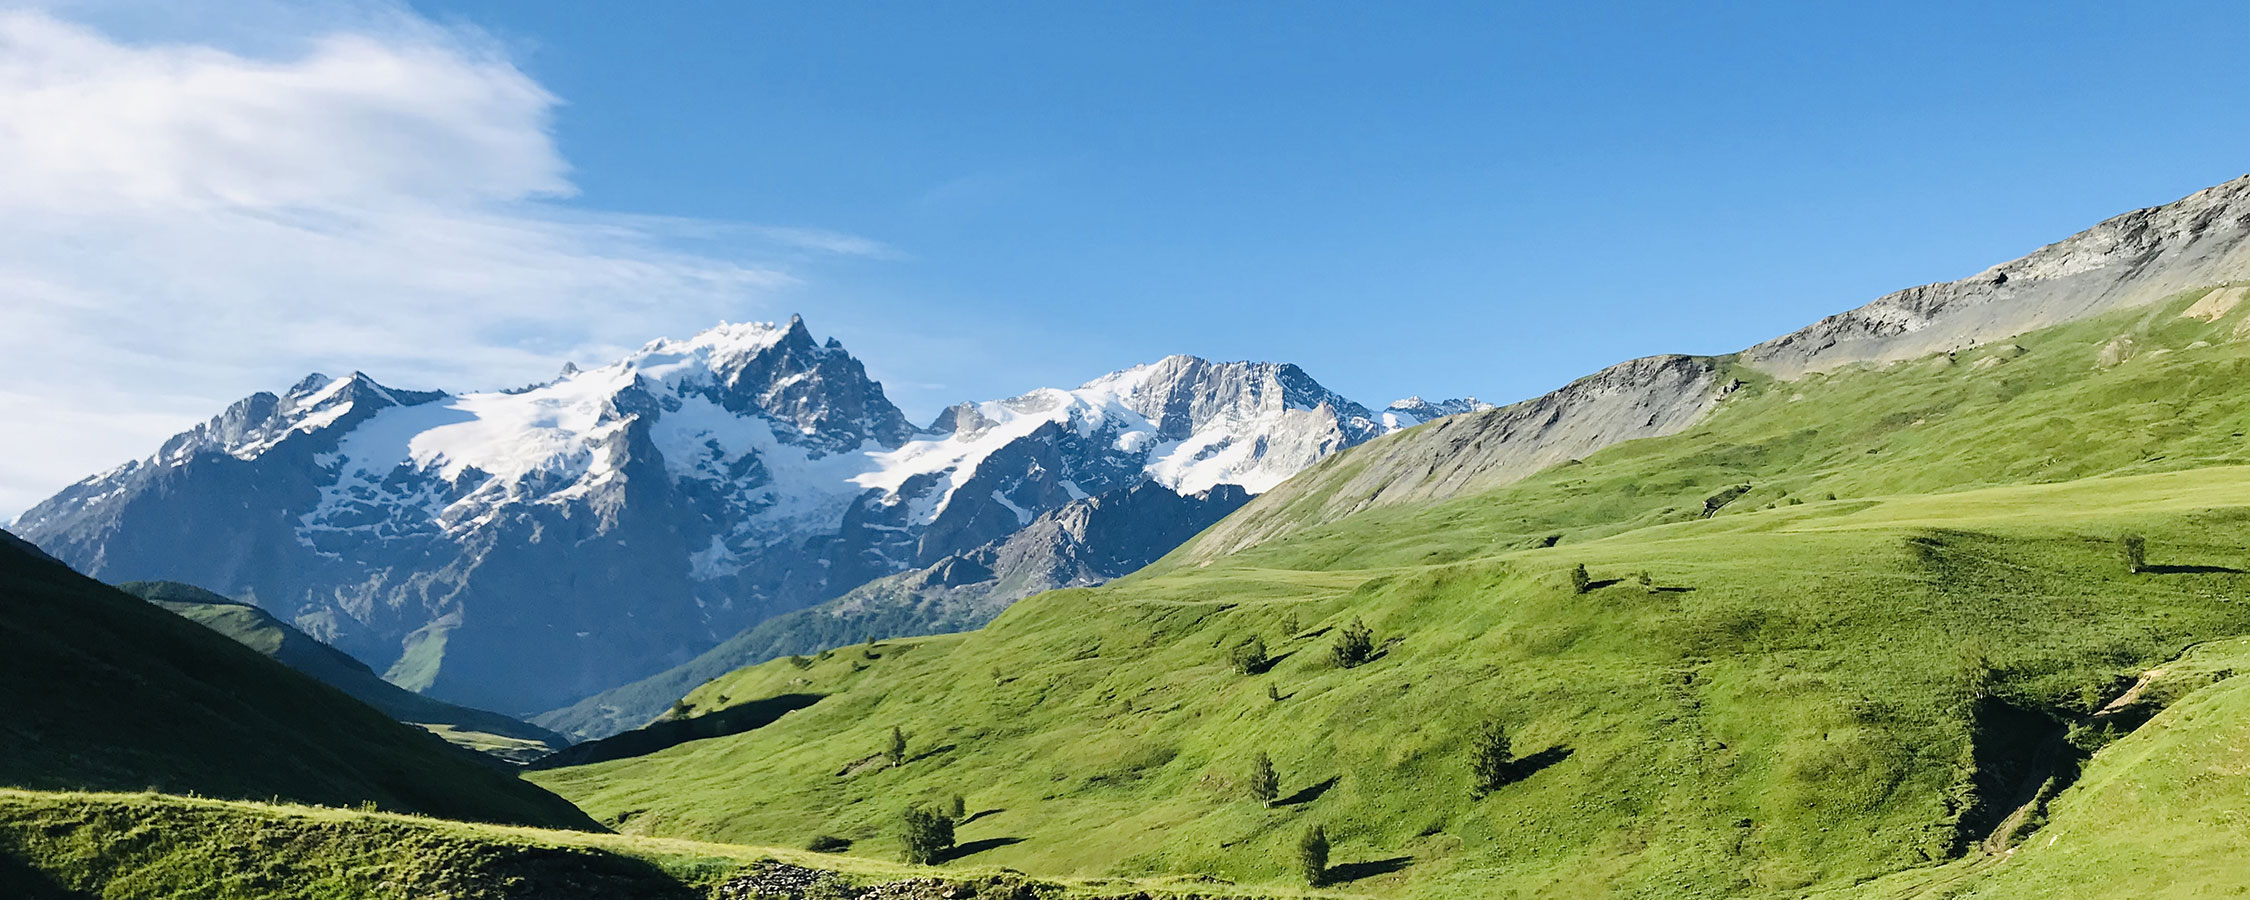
pixel 182 222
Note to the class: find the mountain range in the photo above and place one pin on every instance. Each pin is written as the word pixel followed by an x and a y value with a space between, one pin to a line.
pixel 1941 597
pixel 521 550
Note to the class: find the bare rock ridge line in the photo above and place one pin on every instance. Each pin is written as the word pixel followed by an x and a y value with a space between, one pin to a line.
pixel 2128 260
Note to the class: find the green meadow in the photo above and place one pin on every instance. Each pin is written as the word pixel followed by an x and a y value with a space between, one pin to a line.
pixel 1876 667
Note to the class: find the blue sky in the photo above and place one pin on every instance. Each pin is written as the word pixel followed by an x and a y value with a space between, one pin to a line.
pixel 1437 198
pixel 207 198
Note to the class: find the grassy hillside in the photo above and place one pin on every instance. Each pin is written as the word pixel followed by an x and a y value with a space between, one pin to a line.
pixel 1892 630
pixel 105 691
pixel 132 846
pixel 257 629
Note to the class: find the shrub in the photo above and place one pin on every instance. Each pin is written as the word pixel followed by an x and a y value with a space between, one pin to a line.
pixel 1289 624
pixel 1264 786
pixel 928 835
pixel 959 808
pixel 1312 855
pixel 1490 757
pixel 2135 549
pixel 1249 657
pixel 828 843
pixel 1580 582
pixel 1273 693
pixel 800 661
pixel 1354 646
pixel 895 749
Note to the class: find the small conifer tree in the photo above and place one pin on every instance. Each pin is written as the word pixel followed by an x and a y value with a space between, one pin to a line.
pixel 895 749
pixel 1490 757
pixel 1312 855
pixel 1289 625
pixel 928 835
pixel 1264 785
pixel 1355 645
pixel 959 808
pixel 2135 549
pixel 1580 582
pixel 1249 657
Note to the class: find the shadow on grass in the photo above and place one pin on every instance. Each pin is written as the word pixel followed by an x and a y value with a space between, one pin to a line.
pixel 973 848
pixel 933 751
pixel 1307 795
pixel 2190 570
pixel 1355 871
pixel 1606 582
pixel 1271 661
pixel 1535 763
pixel 1670 589
pixel 979 814
pixel 656 736
pixel 21 879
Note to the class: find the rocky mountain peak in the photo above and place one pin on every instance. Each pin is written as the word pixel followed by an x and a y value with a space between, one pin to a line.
pixel 783 372
pixel 1414 410
pixel 1181 395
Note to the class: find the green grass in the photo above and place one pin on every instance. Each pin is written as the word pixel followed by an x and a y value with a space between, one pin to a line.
pixel 1799 712
pixel 104 691
pixel 2162 813
pixel 252 627
pixel 130 846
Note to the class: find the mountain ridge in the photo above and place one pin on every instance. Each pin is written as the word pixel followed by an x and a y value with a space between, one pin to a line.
pixel 1082 543
pixel 253 627
pixel 107 691
pixel 2131 259
pixel 522 549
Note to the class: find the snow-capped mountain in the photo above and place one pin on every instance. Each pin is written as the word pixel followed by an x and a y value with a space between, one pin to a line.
pixel 522 549
pixel 1414 411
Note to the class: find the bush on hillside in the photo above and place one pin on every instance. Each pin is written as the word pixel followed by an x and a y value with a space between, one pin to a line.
pixel 1354 645
pixel 1580 582
pixel 1490 757
pixel 959 807
pixel 1289 625
pixel 2135 549
pixel 1312 855
pixel 928 835
pixel 828 843
pixel 895 749
pixel 1264 785
pixel 1249 657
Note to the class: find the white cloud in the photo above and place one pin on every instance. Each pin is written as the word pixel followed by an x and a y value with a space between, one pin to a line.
pixel 182 223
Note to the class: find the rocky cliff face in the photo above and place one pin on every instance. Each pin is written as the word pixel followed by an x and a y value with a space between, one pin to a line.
pixel 1082 543
pixel 519 550
pixel 2139 257
pixel 2135 258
